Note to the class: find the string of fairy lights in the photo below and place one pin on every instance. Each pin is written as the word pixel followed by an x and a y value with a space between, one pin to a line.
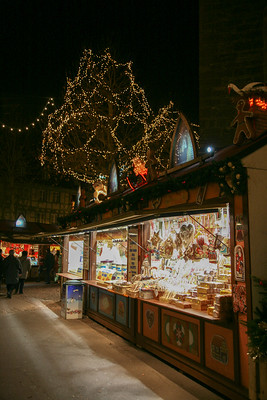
pixel 103 108
pixel 105 116
pixel 48 107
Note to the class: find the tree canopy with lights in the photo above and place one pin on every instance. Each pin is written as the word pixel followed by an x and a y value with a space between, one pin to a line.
pixel 105 117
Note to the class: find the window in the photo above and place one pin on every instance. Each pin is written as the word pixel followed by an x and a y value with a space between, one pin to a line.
pixel 43 196
pixel 40 217
pixel 183 147
pixel 55 197
pixel 53 218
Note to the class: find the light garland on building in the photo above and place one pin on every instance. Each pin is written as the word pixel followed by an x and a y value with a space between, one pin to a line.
pixel 47 108
pixel 229 174
pixel 259 102
pixel 104 112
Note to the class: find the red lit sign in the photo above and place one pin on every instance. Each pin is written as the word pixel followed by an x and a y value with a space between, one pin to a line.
pixel 262 104
pixel 139 168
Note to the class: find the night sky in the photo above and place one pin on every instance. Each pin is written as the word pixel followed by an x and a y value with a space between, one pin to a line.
pixel 42 42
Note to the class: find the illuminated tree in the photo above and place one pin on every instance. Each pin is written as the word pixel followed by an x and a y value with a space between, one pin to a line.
pixel 105 116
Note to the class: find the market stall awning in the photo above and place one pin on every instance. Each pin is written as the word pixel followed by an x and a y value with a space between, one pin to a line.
pixel 116 221
pixel 25 234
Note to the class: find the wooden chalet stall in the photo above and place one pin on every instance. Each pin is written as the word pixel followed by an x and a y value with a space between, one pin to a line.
pixel 170 261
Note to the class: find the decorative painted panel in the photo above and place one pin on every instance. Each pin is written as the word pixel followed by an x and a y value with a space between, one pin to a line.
pixel 139 315
pixel 93 298
pixel 181 333
pixel 129 308
pixel 106 303
pixel 121 309
pixel 151 321
pixel 219 350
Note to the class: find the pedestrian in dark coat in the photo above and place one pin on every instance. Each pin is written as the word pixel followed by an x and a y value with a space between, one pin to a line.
pixel 49 262
pixel 12 270
pixel 25 269
pixel 1 267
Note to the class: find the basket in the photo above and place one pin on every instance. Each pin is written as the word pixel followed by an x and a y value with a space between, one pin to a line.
pixel 132 292
pixel 146 294
pixel 120 288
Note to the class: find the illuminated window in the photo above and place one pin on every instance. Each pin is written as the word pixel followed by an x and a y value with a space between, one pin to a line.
pixel 183 147
pixel 113 184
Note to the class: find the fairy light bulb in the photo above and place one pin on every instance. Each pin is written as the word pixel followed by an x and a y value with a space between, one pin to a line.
pixel 43 113
pixel 93 123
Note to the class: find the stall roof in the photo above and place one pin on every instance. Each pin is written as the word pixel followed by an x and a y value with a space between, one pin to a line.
pixel 28 234
pixel 115 221
pixel 233 151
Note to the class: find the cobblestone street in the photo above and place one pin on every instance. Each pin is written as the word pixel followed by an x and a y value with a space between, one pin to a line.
pixel 45 357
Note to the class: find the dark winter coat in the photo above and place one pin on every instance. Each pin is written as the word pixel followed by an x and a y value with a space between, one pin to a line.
pixel 25 266
pixel 12 269
pixel 49 261
pixel 1 266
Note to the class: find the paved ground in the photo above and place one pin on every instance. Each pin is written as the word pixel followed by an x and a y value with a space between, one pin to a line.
pixel 45 357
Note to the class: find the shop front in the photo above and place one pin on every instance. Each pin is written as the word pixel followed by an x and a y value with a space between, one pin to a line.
pixel 168 265
pixel 33 251
pixel 166 284
pixel 74 258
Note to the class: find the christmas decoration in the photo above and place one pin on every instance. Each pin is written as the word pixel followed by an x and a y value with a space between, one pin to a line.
pixel 138 169
pixel 217 172
pixel 257 328
pixel 100 192
pixel 184 143
pixel 239 298
pixel 243 121
pixel 49 106
pixel 258 102
pixel 253 87
pixel 251 104
pixel 239 263
pixel 105 117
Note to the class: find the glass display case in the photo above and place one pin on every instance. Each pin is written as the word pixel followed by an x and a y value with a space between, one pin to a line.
pixel 111 255
pixel 75 257
pixel 188 262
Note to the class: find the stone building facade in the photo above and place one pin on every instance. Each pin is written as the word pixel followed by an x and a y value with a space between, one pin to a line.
pixel 232 49
pixel 38 203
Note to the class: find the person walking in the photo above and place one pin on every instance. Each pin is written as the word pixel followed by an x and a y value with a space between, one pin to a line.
pixel 57 267
pixel 1 267
pixel 12 270
pixel 49 262
pixel 25 269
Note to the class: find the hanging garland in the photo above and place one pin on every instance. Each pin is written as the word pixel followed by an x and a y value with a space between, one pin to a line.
pixel 48 107
pixel 229 174
pixel 257 328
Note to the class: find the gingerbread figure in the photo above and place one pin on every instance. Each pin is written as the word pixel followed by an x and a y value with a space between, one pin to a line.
pixel 243 124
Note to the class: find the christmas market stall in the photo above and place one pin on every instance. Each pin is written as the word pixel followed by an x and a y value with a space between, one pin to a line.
pixel 21 235
pixel 168 261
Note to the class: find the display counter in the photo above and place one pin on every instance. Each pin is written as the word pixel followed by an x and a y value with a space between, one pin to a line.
pixel 166 284
pixel 67 275
pixel 116 311
pixel 192 340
